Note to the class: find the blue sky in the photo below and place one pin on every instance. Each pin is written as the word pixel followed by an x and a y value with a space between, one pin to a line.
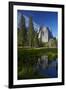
pixel 42 18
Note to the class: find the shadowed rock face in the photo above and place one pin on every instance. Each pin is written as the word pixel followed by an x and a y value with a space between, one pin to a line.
pixel 45 34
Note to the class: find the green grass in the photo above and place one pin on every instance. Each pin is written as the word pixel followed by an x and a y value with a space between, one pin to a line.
pixel 35 51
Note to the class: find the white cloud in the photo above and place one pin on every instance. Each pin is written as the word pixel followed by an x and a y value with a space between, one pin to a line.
pixel 36 26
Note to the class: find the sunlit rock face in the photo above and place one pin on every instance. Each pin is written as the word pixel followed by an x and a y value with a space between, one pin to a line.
pixel 45 34
pixel 43 61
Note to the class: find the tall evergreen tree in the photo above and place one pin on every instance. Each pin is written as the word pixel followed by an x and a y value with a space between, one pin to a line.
pixel 36 41
pixel 31 33
pixel 23 32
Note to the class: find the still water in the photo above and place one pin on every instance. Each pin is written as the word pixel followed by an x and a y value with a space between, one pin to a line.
pixel 46 67
pixel 37 67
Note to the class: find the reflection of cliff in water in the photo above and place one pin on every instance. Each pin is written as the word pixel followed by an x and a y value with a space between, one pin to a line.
pixel 42 61
pixel 47 67
pixel 38 67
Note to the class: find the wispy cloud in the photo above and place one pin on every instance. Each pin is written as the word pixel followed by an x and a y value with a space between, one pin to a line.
pixel 36 26
pixel 26 20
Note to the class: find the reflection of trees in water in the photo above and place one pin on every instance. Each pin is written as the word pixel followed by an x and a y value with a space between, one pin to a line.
pixel 44 62
pixel 47 68
pixel 29 66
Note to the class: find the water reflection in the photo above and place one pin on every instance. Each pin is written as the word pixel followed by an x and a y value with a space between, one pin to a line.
pixel 42 61
pixel 37 67
pixel 46 67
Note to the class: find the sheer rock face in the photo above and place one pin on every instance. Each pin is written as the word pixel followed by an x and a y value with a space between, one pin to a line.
pixel 45 34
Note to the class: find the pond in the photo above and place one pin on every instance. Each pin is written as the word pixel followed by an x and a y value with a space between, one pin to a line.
pixel 34 66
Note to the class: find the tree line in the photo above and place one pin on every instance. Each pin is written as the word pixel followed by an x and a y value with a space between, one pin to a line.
pixel 27 37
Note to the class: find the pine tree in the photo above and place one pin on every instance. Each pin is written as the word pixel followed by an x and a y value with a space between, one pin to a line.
pixel 31 33
pixel 23 32
pixel 36 41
